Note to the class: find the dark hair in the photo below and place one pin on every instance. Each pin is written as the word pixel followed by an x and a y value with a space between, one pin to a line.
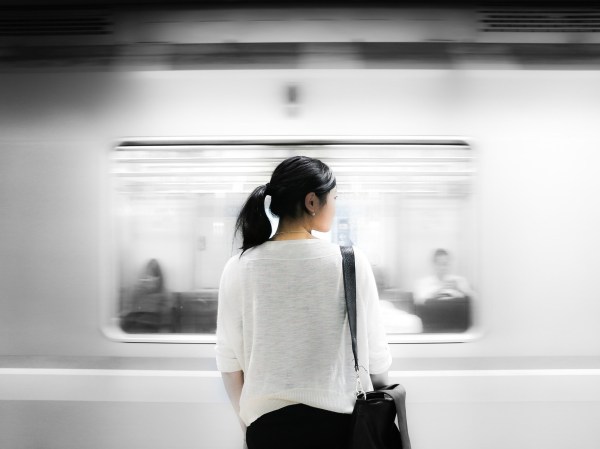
pixel 153 269
pixel 290 182
pixel 439 252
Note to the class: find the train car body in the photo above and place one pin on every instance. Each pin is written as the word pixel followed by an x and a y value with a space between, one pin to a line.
pixel 530 375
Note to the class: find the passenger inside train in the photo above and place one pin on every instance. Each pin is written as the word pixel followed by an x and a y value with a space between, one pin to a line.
pixel 441 285
pixel 442 299
pixel 150 308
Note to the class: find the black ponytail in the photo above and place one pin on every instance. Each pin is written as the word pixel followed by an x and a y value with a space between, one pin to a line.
pixel 253 221
pixel 290 182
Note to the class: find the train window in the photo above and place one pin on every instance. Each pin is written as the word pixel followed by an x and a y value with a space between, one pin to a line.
pixel 408 204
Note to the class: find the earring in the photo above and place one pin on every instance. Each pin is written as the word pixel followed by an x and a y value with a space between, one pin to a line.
pixel 313 214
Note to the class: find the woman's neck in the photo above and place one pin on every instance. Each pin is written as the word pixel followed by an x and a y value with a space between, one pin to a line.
pixel 293 230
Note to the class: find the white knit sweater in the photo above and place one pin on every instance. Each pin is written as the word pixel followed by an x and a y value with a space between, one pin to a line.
pixel 282 321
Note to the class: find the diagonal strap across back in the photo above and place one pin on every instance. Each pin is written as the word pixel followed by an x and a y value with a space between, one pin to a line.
pixel 349 270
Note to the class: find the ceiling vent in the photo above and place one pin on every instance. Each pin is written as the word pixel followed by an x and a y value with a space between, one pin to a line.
pixel 23 25
pixel 539 21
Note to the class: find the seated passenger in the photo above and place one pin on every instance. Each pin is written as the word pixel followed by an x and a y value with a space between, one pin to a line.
pixel 151 305
pixel 441 285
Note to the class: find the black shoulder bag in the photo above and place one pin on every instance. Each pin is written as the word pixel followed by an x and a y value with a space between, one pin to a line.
pixel 375 412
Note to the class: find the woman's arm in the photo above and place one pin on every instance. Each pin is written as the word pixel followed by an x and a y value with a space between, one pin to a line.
pixel 233 385
pixel 402 422
pixel 368 311
pixel 380 380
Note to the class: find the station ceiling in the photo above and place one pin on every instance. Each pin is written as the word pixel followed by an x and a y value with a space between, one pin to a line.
pixel 306 3
pixel 248 33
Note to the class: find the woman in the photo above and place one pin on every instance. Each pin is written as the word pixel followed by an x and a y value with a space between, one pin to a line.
pixel 150 310
pixel 283 344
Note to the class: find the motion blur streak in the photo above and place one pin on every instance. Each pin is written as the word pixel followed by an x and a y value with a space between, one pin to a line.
pixel 129 133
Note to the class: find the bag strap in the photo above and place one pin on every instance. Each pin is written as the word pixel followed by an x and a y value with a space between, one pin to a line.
pixel 397 394
pixel 349 271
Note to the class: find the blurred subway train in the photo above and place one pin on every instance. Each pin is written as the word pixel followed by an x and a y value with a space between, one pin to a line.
pixel 465 145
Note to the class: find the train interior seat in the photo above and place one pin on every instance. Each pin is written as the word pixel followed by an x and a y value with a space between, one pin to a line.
pixel 445 315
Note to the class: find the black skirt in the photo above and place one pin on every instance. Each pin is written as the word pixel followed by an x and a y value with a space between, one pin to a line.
pixel 299 427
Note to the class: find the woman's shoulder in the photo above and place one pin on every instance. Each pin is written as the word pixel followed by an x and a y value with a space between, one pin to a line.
pixel 360 257
pixel 291 249
pixel 232 264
